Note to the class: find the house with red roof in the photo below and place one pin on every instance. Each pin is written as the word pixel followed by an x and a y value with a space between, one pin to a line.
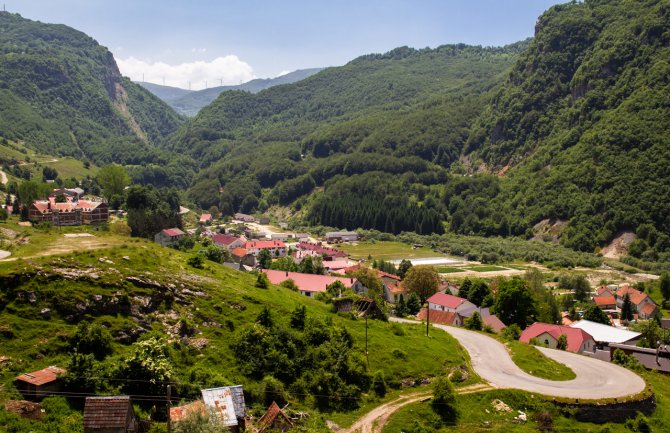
pixel 327 252
pixel 311 284
pixel 276 248
pixel 444 302
pixel 605 302
pixel 604 291
pixel 645 307
pixel 547 334
pixel 228 242
pixel 39 384
pixel 442 317
pixel 168 237
pixel 206 218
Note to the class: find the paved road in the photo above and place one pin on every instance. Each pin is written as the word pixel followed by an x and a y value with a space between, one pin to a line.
pixel 594 378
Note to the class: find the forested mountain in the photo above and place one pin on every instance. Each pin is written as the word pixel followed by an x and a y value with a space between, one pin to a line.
pixel 399 118
pixel 190 102
pixel 62 94
pixel 582 127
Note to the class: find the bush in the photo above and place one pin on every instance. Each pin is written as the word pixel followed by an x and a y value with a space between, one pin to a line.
pixel 196 261
pixel 92 338
pixel 262 281
pixel 379 384
pixel 444 400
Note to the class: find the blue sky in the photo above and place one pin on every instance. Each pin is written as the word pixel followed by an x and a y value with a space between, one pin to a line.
pixel 236 40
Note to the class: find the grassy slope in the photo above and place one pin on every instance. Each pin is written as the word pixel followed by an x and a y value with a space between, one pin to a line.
pixel 232 300
pixel 532 361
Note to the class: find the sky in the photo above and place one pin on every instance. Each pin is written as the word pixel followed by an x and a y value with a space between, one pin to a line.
pixel 200 43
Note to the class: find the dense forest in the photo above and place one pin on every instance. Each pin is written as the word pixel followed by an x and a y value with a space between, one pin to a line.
pixel 569 127
pixel 62 94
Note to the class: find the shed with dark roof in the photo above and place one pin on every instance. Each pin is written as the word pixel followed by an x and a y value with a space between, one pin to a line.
pixel 110 415
pixel 274 419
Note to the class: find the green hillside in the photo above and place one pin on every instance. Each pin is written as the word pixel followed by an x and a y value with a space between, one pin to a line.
pixel 62 94
pixel 406 111
pixel 581 123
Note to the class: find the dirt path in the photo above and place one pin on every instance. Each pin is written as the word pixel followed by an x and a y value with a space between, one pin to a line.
pixel 374 421
pixel 3 177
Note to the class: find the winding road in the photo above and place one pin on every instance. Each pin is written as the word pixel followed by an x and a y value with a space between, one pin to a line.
pixel 594 379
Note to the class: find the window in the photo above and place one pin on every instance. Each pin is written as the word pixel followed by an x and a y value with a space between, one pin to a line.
pixel 546 341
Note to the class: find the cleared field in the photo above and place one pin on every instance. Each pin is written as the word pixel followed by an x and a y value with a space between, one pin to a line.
pixel 448 270
pixel 484 268
pixel 68 168
pixel 387 251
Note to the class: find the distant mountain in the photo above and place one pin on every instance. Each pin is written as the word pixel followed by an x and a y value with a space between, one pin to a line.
pixel 191 102
pixel 369 132
pixel 61 93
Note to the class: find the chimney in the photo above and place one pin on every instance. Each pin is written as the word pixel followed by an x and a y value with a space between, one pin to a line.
pixel 287 273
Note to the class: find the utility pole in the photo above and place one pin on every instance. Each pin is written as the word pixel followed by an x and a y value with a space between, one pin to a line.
pixel 169 421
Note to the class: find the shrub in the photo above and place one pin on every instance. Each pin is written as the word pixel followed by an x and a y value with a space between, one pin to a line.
pixel 196 261
pixel 512 332
pixel 444 400
pixel 262 281
pixel 379 384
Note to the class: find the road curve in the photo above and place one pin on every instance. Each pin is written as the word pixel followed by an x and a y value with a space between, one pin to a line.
pixel 594 378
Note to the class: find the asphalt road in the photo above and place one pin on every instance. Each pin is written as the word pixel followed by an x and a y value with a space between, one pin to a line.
pixel 594 378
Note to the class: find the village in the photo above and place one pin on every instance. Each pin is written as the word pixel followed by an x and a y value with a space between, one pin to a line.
pixel 318 267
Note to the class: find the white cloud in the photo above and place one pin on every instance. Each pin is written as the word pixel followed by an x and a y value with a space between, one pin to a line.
pixel 228 70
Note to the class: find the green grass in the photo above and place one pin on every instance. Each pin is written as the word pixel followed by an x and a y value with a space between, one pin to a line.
pixel 387 251
pixel 533 362
pixel 484 268
pixel 66 167
pixel 448 270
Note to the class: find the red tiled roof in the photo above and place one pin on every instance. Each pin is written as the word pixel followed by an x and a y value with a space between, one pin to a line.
pixel 223 239
pixel 307 282
pixel 494 322
pixel 396 287
pixel 264 244
pixel 180 412
pixel 273 412
pixel 443 317
pixel 335 265
pixel 387 275
pixel 106 412
pixel 205 217
pixel 173 232
pixel 449 301
pixel 648 309
pixel 635 295
pixel 321 249
pixel 604 300
pixel 41 377
pixel 575 336
pixel 239 252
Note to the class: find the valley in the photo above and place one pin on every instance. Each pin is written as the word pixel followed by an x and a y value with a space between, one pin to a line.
pixel 459 237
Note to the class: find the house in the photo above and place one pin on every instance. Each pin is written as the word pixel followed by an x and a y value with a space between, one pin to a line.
pixel 341 236
pixel 311 284
pixel 301 237
pixel 110 415
pixel 441 317
pixel 168 237
pixel 327 252
pixel 485 313
pixel 274 419
pixel 72 193
pixel 300 255
pixel 228 242
pixel 69 213
pixel 206 219
pixel 494 322
pixel 279 237
pixel 276 248
pixel 244 217
pixel 393 290
pixel 243 257
pixel 336 266
pixel 39 384
pixel 548 335
pixel 605 334
pixel 652 359
pixel 263 220
pixel 605 302
pixel 445 302
pixel 644 306
pixel 227 404
pixel 604 291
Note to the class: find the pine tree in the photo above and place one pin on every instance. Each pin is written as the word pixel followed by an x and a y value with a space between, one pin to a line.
pixel 627 309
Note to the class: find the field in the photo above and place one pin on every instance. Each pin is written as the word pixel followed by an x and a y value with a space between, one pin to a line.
pixel 484 268
pixel 388 251
pixel 66 167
